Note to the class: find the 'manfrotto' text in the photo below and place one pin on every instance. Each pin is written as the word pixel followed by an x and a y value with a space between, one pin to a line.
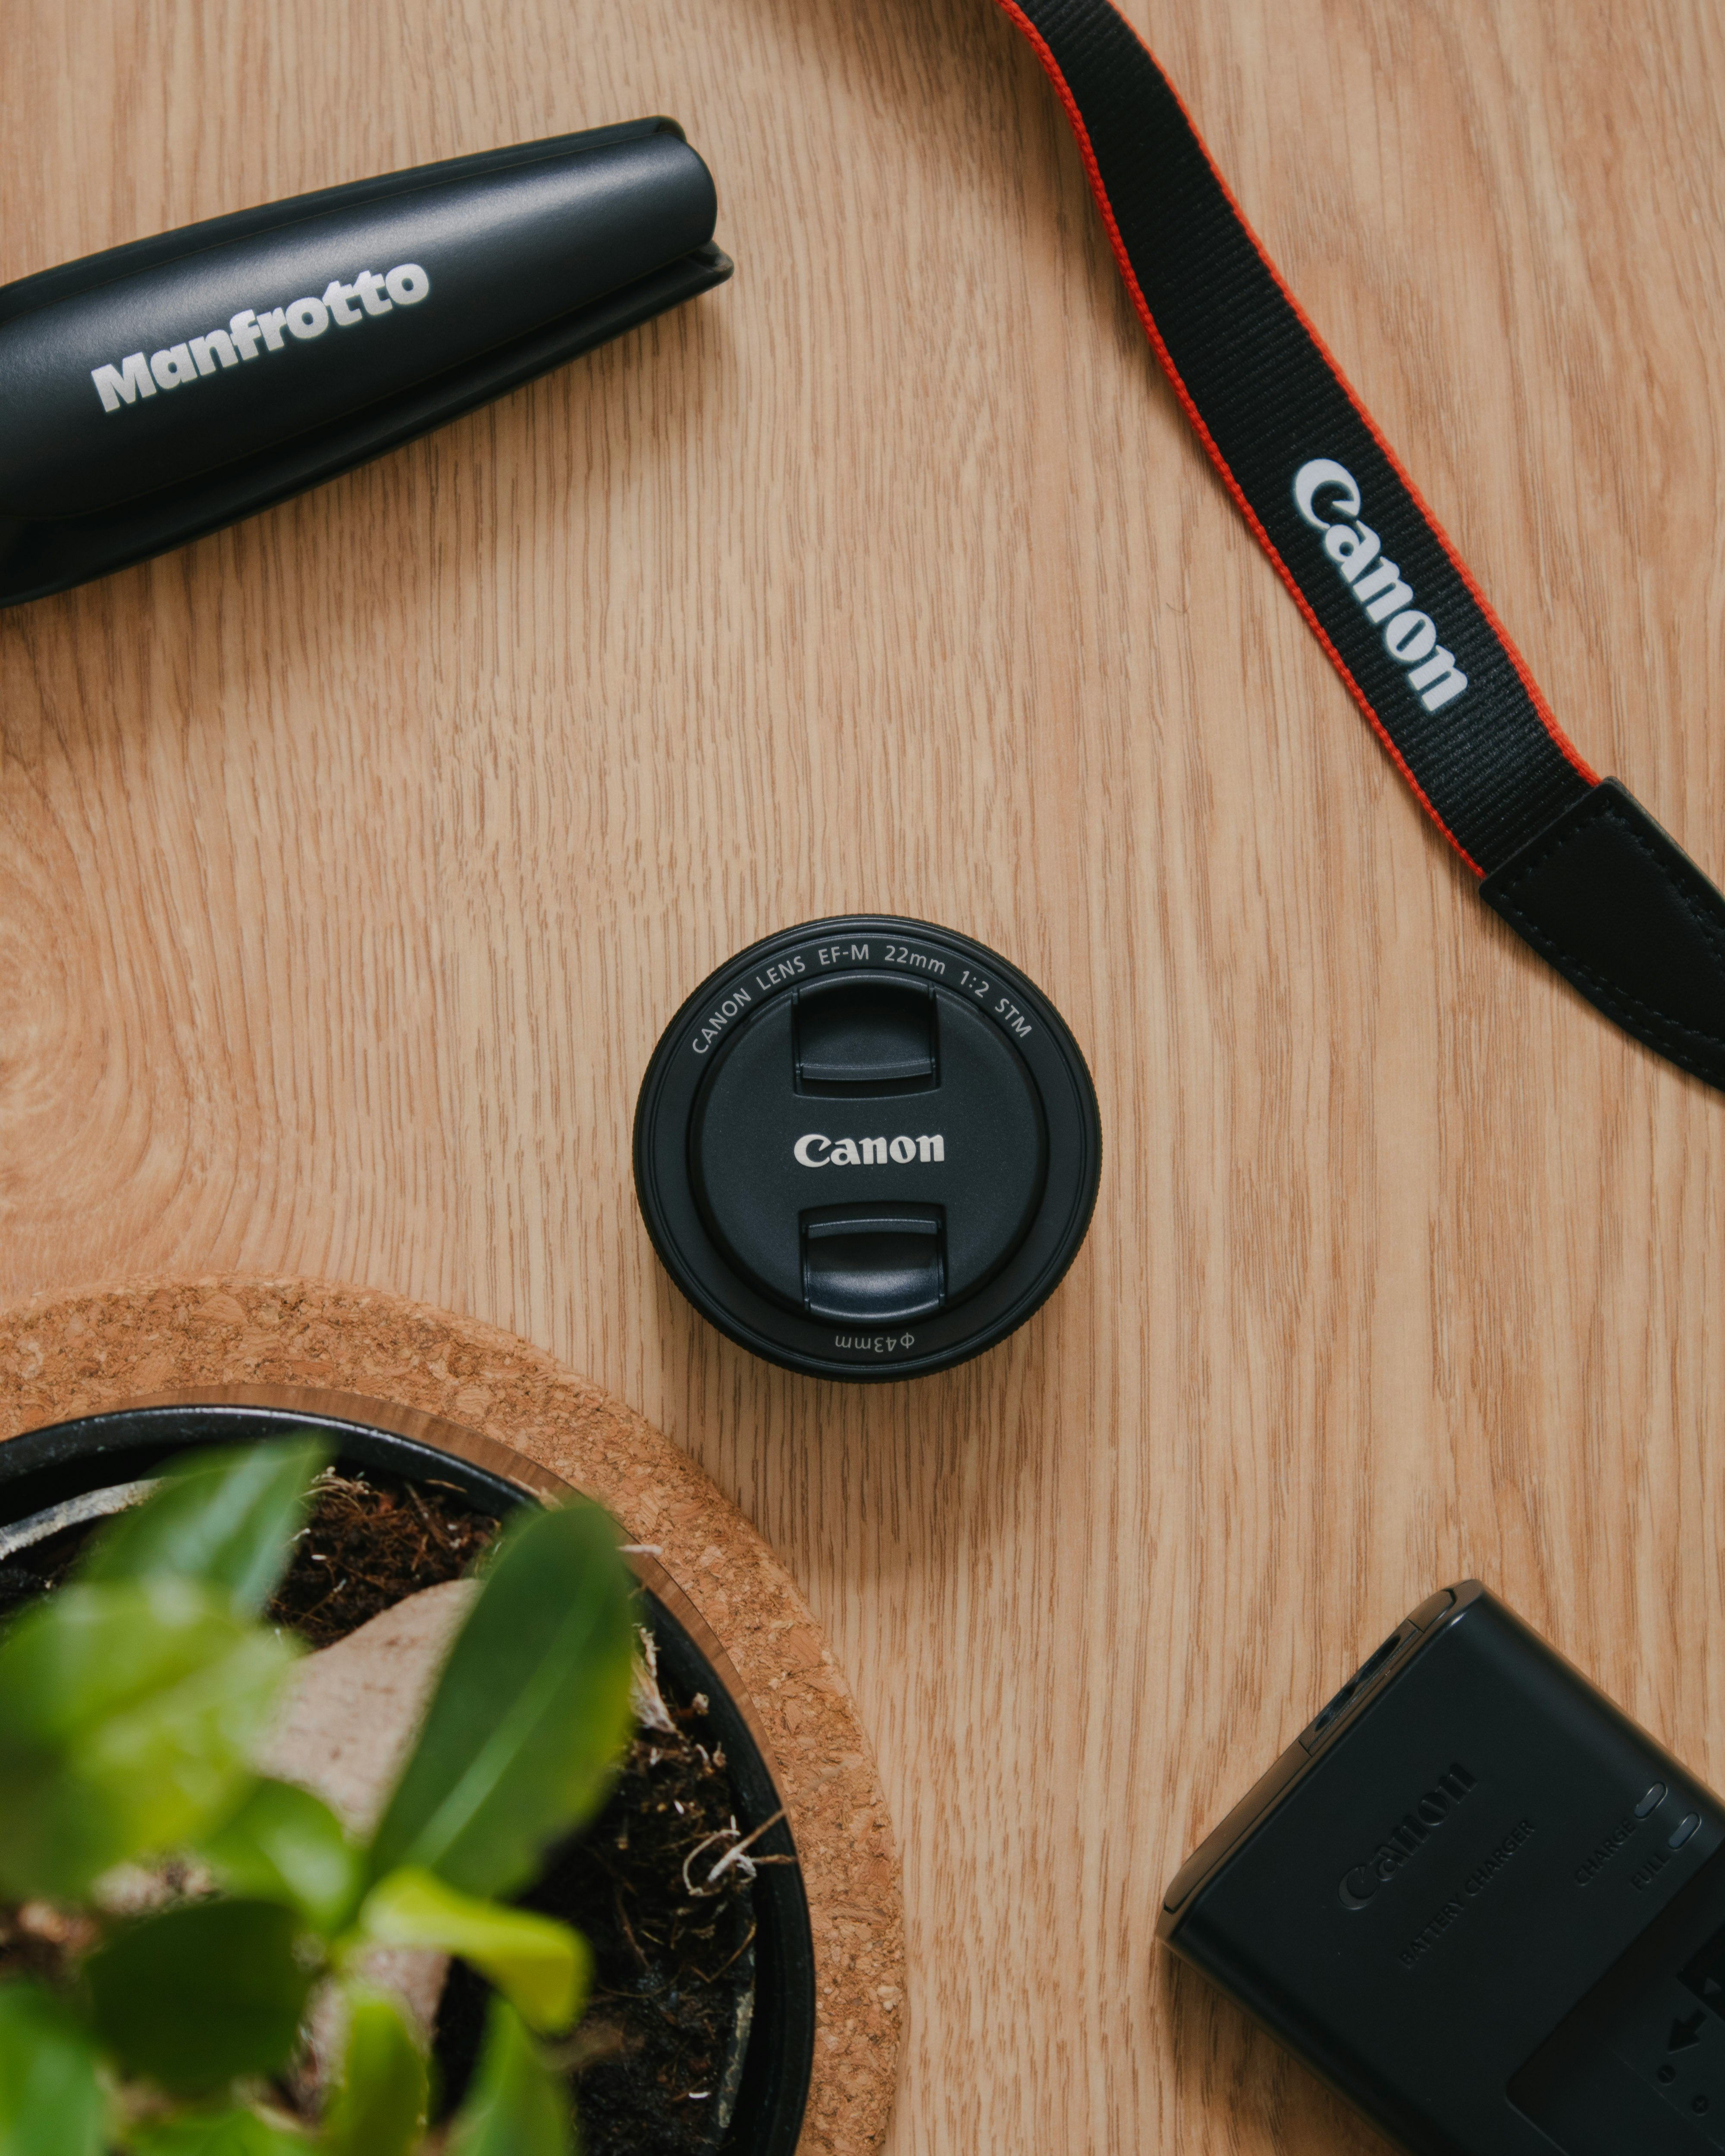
pixel 250 335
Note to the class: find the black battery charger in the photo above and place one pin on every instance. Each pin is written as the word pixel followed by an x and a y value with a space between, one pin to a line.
pixel 1481 1902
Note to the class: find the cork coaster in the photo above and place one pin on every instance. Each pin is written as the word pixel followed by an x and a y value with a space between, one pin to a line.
pixel 68 1355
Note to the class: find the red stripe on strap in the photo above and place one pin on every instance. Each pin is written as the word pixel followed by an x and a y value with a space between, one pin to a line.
pixel 1535 695
pixel 1051 67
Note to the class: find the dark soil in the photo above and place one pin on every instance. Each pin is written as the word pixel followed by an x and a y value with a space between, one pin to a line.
pixel 43 1565
pixel 674 1969
pixel 370 1542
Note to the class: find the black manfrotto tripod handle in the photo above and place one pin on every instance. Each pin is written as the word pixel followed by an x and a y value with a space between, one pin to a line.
pixel 168 387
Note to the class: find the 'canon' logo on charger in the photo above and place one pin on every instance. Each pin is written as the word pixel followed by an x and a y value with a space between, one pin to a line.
pixel 1406 1837
pixel 817 1150
pixel 177 365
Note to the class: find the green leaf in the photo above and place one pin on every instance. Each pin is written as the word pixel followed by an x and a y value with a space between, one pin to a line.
pixel 51 2102
pixel 379 2108
pixel 127 1714
pixel 226 1517
pixel 541 1966
pixel 530 1716
pixel 218 2133
pixel 516 2107
pixel 200 1994
pixel 285 1844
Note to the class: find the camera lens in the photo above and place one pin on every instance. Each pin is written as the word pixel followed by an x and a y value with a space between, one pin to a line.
pixel 867 1149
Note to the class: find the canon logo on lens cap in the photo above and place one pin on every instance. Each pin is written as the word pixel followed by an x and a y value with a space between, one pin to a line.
pixel 867 1149
pixel 815 1149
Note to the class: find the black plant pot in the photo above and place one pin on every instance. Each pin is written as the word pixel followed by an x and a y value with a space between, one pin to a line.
pixel 72 1461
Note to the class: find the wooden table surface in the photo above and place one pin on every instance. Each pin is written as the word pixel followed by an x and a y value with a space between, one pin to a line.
pixel 350 863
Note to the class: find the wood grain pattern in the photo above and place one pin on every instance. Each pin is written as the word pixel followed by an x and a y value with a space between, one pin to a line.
pixel 351 861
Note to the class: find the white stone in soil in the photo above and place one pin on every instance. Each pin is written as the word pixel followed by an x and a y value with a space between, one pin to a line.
pixel 352 1711
pixel 345 1728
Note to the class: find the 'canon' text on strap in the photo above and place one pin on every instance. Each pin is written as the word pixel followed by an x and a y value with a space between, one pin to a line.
pixel 1409 637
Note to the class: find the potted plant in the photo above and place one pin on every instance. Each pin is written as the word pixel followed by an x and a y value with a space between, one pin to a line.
pixel 197 1957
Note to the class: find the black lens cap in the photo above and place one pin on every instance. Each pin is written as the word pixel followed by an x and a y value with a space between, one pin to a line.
pixel 867 1149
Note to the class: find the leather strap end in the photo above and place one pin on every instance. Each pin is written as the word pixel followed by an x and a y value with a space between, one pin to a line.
pixel 1623 913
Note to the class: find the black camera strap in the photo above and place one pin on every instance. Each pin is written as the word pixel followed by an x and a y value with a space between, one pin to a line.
pixel 1572 862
